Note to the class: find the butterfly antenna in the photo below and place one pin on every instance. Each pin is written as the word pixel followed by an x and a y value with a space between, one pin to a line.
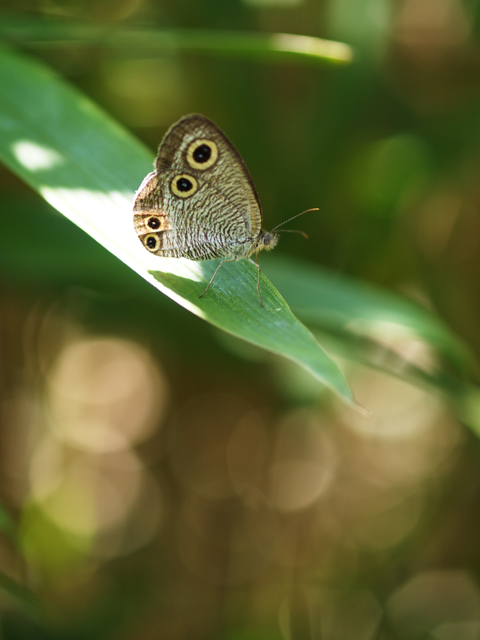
pixel 293 218
pixel 302 233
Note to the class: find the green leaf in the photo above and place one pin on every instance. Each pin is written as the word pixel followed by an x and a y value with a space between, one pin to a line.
pixel 87 167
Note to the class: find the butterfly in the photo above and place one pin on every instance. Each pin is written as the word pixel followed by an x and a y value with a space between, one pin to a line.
pixel 200 202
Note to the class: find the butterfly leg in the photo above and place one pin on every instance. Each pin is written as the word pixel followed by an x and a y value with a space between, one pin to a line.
pixel 213 277
pixel 258 281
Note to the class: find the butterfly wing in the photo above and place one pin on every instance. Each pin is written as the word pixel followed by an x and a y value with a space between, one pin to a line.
pixel 200 202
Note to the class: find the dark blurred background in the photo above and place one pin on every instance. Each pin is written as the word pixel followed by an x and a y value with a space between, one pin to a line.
pixel 165 480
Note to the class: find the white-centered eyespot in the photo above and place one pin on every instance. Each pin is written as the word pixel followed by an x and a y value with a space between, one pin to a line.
pixel 202 154
pixel 184 185
pixel 154 223
pixel 152 242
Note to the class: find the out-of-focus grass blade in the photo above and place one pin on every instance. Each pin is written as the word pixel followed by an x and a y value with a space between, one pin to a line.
pixel 20 595
pixel 332 301
pixel 360 318
pixel 276 47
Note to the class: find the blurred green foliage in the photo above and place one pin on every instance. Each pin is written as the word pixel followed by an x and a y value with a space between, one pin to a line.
pixel 169 482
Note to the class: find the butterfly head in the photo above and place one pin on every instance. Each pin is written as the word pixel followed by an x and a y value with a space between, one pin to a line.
pixel 268 240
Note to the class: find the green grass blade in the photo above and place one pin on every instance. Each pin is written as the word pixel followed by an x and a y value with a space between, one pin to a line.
pixel 335 302
pixel 88 167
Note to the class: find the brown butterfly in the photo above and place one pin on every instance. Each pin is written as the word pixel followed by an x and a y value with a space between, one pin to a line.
pixel 200 202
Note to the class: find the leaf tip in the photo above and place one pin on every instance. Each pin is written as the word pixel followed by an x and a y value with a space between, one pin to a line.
pixel 364 411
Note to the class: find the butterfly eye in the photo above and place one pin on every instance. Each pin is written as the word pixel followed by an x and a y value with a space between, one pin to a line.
pixel 202 154
pixel 184 185
pixel 152 242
